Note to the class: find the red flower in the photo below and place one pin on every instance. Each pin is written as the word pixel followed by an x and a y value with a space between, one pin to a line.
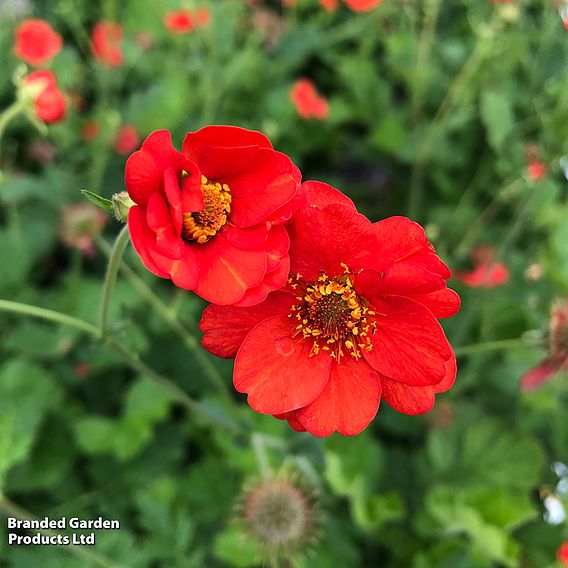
pixel 210 218
pixel 106 38
pixel 36 42
pixel 202 17
pixel 536 170
pixel 49 102
pixel 487 273
pixel 308 102
pixel 562 553
pixel 557 358
pixel 329 5
pixel 127 140
pixel 362 5
pixel 179 22
pixel 356 321
pixel 90 130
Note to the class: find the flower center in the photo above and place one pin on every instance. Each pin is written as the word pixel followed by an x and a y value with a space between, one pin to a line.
pixel 200 226
pixel 332 315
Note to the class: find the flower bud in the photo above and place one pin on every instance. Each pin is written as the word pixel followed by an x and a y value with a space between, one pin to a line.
pixel 121 204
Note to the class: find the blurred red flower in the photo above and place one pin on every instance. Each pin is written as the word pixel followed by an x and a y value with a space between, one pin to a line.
pixel 557 357
pixel 49 102
pixel 362 5
pixel 202 17
pixel 179 22
pixel 536 170
pixel 90 130
pixel 106 39
pixel 487 272
pixel 36 42
pixel 80 224
pixel 126 140
pixel 329 5
pixel 308 102
pixel 356 321
pixel 210 218
pixel 562 553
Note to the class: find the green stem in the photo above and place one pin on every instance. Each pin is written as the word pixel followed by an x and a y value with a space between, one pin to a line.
pixel 259 448
pixel 9 113
pixel 496 345
pixel 110 278
pixel 11 509
pixel 51 315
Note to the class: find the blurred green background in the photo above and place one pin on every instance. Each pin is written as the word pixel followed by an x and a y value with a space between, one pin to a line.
pixel 437 110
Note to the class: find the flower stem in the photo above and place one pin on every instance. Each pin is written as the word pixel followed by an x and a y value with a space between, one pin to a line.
pixel 497 345
pixel 13 510
pixel 9 113
pixel 257 443
pixel 110 278
pixel 51 315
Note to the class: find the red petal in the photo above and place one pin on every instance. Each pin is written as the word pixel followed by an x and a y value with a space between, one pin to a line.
pixel 246 238
pixel 272 281
pixel 323 239
pixel 409 343
pixel 184 272
pixel 191 194
pixel 442 303
pixel 416 400
pixel 276 371
pixel 398 238
pixel 227 272
pixel 159 220
pixel 348 402
pixel 173 197
pixel 144 172
pixel 225 327
pixel 400 279
pixel 142 238
pixel 292 419
pixel 430 261
pixel 543 372
pixel 199 144
pixel 261 187
pixel 321 194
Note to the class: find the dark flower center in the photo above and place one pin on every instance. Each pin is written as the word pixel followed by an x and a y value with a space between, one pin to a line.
pixel 332 315
pixel 200 226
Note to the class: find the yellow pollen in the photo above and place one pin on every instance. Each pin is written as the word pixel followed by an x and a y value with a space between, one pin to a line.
pixel 200 226
pixel 332 316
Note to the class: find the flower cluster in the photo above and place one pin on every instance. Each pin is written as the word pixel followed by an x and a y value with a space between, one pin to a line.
pixel 324 311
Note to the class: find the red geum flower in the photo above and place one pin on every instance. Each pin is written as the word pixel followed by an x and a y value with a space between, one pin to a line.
pixel 106 39
pixel 126 140
pixel 356 321
pixel 557 357
pixel 90 130
pixel 210 218
pixel 179 22
pixel 329 5
pixel 36 42
pixel 308 102
pixel 536 170
pixel 362 5
pixel 487 272
pixel 202 17
pixel 562 553
pixel 49 102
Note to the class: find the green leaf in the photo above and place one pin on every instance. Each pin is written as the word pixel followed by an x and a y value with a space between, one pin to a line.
pixel 102 202
pixel 235 548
